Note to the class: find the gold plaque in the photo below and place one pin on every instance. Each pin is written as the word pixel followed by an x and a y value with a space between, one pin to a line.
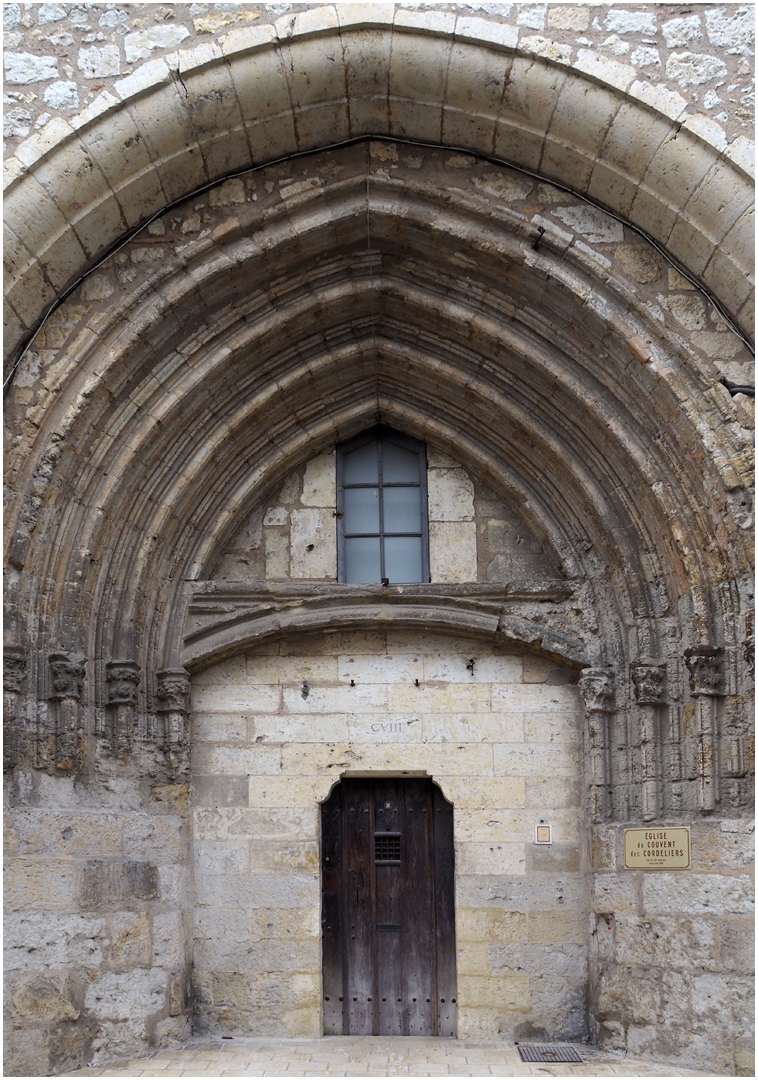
pixel 657 849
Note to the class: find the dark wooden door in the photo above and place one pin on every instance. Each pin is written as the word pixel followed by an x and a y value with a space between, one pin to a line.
pixel 388 916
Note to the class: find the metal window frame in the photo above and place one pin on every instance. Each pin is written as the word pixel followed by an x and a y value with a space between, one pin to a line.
pixel 407 442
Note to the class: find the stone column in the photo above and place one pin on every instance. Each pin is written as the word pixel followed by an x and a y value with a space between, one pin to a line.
pixel 173 692
pixel 122 678
pixel 66 689
pixel 649 679
pixel 14 675
pixel 597 687
pixel 705 665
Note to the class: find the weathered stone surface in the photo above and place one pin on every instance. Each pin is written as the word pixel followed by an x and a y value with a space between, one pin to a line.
pixel 39 999
pixel 319 482
pixel 50 13
pixel 21 68
pixel 630 22
pixel 126 997
pixel 452 551
pixel 693 69
pixel 738 945
pixel 313 544
pixel 130 945
pixel 687 30
pixel 99 63
pixel 16 122
pixel 277 554
pixel 53 941
pixel 737 843
pixel 730 28
pixel 173 796
pixel 106 882
pixel 40 884
pixel 139 46
pixel 168 939
pixel 598 227
pixel 639 262
pixel 36 832
pixel 490 925
pixel 146 835
pixel 666 942
pixel 706 893
pixel 451 495
pixel 62 95
pixel 259 890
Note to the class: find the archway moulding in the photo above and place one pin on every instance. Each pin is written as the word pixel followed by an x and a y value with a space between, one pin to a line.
pixel 332 74
pixel 224 618
pixel 595 462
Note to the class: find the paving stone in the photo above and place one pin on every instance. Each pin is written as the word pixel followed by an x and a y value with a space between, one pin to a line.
pixel 391 1057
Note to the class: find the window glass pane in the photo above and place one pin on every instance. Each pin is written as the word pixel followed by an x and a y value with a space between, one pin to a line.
pixel 362 561
pixel 362 465
pixel 402 558
pixel 361 510
pixel 398 465
pixel 402 509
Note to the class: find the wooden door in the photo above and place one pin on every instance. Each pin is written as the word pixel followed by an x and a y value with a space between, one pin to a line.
pixel 388 915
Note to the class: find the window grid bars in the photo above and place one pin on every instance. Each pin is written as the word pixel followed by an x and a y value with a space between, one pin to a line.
pixel 380 434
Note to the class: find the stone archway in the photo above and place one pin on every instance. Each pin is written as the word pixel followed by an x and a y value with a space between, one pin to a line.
pixel 548 352
pixel 329 75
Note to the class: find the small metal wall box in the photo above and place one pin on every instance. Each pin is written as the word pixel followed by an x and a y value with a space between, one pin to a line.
pixel 543 834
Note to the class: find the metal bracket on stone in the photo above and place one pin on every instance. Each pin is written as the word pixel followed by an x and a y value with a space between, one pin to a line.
pixel 598 689
pixel 15 662
pixel 705 664
pixel 65 695
pixel 649 681
pixel 172 703
pixel 122 679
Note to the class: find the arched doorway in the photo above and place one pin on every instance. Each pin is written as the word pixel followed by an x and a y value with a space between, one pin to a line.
pixel 388 921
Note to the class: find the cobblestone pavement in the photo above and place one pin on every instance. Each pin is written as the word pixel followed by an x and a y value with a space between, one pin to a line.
pixel 369 1057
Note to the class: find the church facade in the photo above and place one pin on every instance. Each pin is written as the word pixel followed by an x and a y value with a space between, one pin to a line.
pixel 378 529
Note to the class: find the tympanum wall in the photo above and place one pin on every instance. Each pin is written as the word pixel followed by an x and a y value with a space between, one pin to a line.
pixel 273 731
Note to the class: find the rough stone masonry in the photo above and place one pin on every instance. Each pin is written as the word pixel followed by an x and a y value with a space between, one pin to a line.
pixel 238 235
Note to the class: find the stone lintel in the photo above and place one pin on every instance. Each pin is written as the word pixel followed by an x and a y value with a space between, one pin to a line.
pixel 224 616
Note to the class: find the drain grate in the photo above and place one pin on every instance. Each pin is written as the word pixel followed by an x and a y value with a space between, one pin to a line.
pixel 548 1053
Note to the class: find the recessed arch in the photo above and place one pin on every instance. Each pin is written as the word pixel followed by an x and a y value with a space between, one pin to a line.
pixel 416 348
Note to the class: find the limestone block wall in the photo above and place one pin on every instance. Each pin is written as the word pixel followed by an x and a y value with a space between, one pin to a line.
pixel 672 954
pixel 95 927
pixel 473 534
pixel 275 728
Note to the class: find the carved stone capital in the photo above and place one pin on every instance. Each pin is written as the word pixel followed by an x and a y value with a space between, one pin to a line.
pixel 649 679
pixel 14 669
pixel 122 678
pixel 597 687
pixel 66 676
pixel 173 690
pixel 705 664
